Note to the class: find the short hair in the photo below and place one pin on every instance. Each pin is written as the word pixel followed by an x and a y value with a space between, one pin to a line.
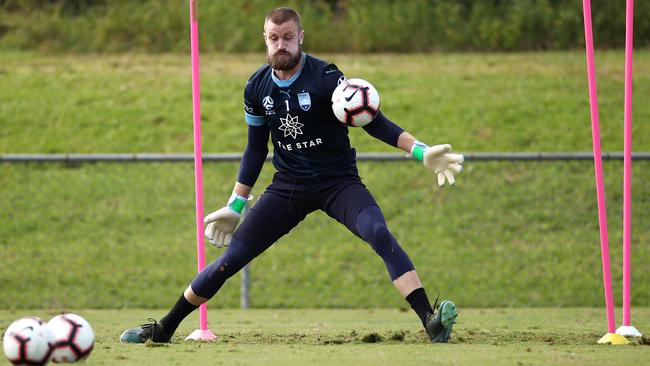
pixel 283 14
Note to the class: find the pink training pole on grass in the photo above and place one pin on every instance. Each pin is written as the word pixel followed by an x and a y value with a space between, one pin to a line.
pixel 203 333
pixel 598 165
pixel 627 158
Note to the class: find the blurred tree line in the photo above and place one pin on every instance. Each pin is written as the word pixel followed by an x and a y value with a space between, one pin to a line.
pixel 330 25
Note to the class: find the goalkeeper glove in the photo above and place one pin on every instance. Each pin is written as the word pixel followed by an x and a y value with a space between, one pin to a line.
pixel 437 159
pixel 222 223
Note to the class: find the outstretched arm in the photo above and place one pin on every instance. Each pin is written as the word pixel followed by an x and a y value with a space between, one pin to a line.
pixel 222 223
pixel 435 158
pixel 405 142
pixel 384 129
pixel 252 159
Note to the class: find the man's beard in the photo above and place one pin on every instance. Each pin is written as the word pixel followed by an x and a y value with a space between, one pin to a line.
pixel 284 61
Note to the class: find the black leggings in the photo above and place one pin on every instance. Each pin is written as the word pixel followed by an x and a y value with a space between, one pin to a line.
pixel 284 204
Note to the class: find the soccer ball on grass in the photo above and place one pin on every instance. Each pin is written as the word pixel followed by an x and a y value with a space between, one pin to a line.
pixel 28 341
pixel 74 338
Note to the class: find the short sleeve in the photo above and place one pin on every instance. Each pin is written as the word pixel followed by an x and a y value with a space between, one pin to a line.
pixel 252 112
pixel 332 77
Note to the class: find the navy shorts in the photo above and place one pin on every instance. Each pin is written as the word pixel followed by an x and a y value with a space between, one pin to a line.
pixel 287 201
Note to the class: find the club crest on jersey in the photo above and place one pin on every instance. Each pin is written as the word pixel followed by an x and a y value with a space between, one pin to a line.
pixel 267 102
pixel 304 100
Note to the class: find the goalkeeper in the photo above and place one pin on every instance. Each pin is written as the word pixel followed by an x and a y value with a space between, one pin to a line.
pixel 289 99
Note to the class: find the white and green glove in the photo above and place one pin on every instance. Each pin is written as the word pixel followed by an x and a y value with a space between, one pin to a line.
pixel 438 159
pixel 222 223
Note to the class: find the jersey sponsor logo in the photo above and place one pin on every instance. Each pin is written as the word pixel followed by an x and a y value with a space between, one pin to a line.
pixel 304 100
pixel 290 126
pixel 267 102
pixel 300 145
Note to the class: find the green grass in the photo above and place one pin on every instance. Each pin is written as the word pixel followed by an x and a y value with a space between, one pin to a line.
pixel 478 102
pixel 506 336
pixel 122 235
pixel 509 234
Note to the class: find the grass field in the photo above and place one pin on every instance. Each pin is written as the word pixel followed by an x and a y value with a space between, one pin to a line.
pixel 100 235
pixel 479 102
pixel 509 234
pixel 505 336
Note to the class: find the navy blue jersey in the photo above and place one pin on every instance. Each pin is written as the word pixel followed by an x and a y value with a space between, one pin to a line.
pixel 309 142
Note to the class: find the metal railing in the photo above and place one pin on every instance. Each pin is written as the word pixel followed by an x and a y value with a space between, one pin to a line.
pixel 221 157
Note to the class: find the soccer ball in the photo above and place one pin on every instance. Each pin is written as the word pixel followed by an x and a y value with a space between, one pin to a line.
pixel 28 341
pixel 74 338
pixel 355 102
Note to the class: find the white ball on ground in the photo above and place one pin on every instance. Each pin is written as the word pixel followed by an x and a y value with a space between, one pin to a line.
pixel 74 337
pixel 28 341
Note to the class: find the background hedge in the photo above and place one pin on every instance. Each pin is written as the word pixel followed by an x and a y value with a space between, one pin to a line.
pixel 331 25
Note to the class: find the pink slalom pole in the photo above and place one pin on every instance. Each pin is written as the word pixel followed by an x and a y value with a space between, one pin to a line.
pixel 627 160
pixel 598 166
pixel 202 333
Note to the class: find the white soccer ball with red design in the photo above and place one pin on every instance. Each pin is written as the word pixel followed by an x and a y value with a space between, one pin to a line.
pixel 74 338
pixel 28 341
pixel 355 102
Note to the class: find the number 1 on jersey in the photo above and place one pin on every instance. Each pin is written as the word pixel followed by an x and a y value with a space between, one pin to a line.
pixel 286 101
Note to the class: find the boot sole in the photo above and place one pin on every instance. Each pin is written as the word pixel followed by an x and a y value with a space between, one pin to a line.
pixel 448 316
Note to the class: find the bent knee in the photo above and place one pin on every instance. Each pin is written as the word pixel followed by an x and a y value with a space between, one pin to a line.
pixel 382 240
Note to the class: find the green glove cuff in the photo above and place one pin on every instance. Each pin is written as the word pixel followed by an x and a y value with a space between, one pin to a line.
pixel 417 151
pixel 237 203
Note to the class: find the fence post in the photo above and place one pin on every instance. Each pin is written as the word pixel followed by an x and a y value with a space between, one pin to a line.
pixel 245 287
